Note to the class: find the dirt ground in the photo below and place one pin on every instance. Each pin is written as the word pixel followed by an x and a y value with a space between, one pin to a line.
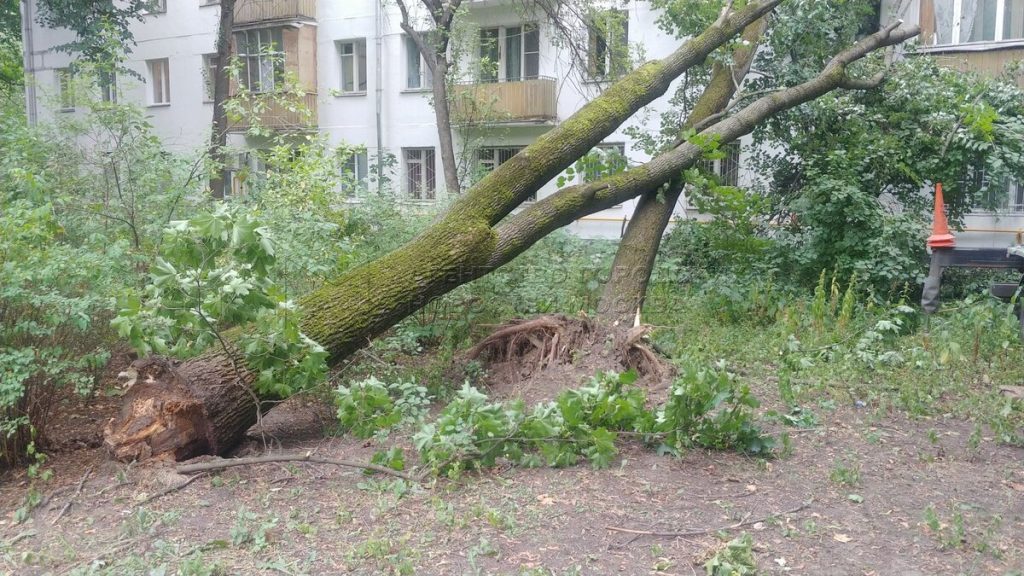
pixel 864 493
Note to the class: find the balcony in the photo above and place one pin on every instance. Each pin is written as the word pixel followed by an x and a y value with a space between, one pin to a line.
pixel 522 102
pixel 277 112
pixel 989 62
pixel 258 11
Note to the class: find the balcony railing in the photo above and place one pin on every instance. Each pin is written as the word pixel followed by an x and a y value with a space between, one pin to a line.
pixel 985 62
pixel 277 112
pixel 253 11
pixel 525 101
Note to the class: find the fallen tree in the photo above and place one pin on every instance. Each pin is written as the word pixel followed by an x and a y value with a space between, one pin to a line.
pixel 477 234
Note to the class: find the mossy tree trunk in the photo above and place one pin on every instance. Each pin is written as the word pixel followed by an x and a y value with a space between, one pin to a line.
pixel 624 293
pixel 477 234
pixel 346 312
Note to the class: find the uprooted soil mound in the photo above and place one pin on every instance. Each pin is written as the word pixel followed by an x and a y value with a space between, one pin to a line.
pixel 531 359
pixel 535 359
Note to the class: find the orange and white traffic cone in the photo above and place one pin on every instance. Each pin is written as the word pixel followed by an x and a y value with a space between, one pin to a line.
pixel 940 238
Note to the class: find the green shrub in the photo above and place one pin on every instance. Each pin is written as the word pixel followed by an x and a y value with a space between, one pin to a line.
pixel 371 407
pixel 709 408
pixel 83 202
pixel 755 300
pixel 53 301
pixel 472 432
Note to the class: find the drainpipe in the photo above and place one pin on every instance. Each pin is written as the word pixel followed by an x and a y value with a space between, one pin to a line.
pixel 379 25
pixel 28 62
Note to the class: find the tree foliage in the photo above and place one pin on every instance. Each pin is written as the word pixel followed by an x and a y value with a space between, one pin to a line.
pixel 848 171
pixel 213 273
pixel 102 28
pixel 10 46
pixel 707 408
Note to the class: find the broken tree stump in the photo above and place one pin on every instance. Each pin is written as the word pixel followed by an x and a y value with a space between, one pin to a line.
pixel 182 410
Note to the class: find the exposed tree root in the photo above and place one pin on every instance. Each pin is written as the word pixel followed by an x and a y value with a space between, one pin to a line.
pixel 538 343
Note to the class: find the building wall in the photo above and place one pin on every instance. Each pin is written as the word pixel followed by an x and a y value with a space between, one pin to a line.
pixel 182 35
pixel 187 31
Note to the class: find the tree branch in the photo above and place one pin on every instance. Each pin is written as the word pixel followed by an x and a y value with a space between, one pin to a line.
pixel 506 188
pixel 689 533
pixel 307 457
pixel 520 231
pixel 421 44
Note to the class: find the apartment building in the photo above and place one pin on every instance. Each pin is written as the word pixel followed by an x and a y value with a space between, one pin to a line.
pixel 983 36
pixel 366 85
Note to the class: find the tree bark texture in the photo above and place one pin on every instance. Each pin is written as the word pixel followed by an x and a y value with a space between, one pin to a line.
pixel 626 288
pixel 442 114
pixel 178 411
pixel 221 86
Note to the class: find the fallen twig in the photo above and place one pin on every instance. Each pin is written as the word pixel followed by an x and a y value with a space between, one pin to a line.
pixel 688 533
pixel 307 457
pixel 119 548
pixel 170 489
pixel 109 488
pixel 78 490
pixel 19 538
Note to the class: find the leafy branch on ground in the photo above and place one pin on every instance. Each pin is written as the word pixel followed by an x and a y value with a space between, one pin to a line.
pixel 707 407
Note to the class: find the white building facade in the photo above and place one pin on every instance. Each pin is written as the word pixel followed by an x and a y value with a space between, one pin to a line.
pixel 366 86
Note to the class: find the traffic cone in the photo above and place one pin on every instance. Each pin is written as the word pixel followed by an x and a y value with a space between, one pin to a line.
pixel 940 238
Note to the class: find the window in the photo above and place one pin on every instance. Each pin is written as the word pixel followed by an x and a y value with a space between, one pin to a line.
pixel 353 66
pixel 990 196
pixel 608 44
pixel 209 76
pixel 419 173
pixel 155 7
pixel 107 80
pixel 492 157
pixel 245 170
pixel 65 89
pixel 159 81
pixel 510 54
pixel 490 55
pixel 417 74
pixel 353 173
pixel 726 169
pixel 963 21
pixel 604 160
pixel 261 53
pixel 1015 191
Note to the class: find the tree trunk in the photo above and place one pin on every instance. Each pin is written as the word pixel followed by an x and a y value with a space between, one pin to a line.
pixel 203 406
pixel 624 292
pixel 444 126
pixel 435 54
pixel 345 313
pixel 221 86
pixel 468 242
pixel 623 295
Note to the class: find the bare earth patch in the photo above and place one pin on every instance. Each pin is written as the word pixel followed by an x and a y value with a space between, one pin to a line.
pixel 876 494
